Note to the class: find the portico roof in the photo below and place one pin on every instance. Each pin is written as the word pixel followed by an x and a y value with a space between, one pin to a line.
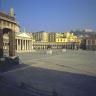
pixel 23 35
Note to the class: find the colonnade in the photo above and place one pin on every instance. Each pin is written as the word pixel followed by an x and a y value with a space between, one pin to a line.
pixel 23 45
pixel 44 46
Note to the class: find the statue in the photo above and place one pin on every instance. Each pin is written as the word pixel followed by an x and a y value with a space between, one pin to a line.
pixel 12 12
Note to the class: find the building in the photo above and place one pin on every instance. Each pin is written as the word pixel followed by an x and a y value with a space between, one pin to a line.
pixel 52 37
pixel 40 36
pixel 66 37
pixel 26 42
pixel 60 37
pixel 23 42
pixel 55 40
pixel 91 42
pixel 8 21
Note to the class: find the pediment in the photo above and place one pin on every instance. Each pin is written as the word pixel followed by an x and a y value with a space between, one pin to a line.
pixel 24 35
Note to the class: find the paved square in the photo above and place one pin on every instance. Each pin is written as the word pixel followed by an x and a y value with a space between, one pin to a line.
pixel 71 73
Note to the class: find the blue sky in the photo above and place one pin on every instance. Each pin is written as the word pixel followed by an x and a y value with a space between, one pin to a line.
pixel 53 15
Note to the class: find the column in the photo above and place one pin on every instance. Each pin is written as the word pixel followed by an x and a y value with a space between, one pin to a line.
pixel 25 44
pixel 1 43
pixel 21 44
pixel 17 44
pixel 30 44
pixel 12 43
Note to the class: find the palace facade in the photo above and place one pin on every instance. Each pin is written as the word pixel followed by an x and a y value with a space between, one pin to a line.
pixel 55 40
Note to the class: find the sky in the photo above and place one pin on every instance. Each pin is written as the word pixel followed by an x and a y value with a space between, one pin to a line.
pixel 53 15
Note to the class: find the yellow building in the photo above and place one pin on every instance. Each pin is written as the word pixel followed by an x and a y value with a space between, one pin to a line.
pixel 60 37
pixel 66 37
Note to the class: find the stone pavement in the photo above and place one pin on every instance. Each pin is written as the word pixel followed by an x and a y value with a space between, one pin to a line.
pixel 72 73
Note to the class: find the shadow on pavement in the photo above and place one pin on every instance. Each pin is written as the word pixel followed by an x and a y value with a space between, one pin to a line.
pixel 34 81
